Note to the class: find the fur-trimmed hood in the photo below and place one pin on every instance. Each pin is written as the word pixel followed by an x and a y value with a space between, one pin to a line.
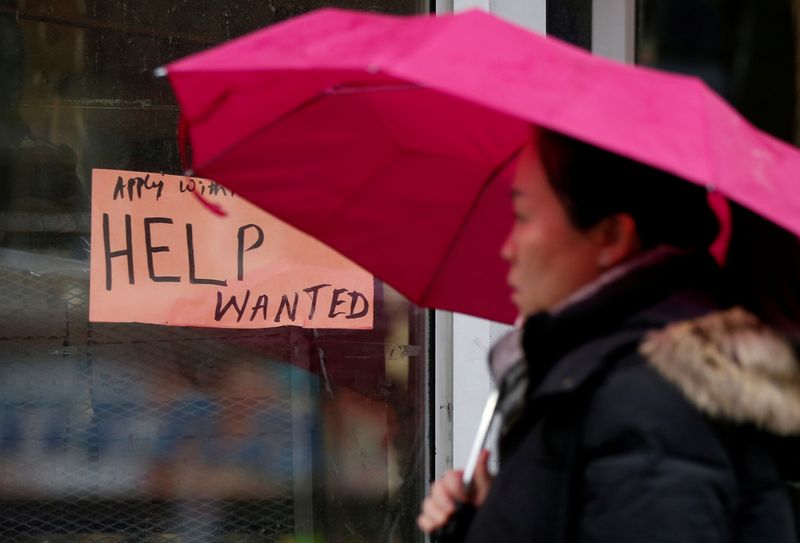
pixel 731 366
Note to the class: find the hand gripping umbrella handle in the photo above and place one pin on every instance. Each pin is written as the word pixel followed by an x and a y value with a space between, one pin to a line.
pixel 457 525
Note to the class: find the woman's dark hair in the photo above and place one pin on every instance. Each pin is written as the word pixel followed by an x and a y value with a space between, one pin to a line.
pixel 593 184
pixel 762 267
pixel 762 270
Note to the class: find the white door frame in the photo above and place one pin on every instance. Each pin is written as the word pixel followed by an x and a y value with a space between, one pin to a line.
pixel 614 29
pixel 461 342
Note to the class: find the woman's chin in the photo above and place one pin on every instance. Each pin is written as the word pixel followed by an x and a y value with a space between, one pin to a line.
pixel 516 299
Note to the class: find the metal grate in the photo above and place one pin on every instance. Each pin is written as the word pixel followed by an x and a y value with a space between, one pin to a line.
pixel 127 432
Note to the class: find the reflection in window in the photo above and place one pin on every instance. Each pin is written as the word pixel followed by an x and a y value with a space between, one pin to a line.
pixel 122 432
pixel 745 51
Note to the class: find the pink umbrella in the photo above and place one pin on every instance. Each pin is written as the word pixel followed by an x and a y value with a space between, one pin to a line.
pixel 391 138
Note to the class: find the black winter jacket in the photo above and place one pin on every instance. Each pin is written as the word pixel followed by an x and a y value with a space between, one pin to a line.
pixel 654 414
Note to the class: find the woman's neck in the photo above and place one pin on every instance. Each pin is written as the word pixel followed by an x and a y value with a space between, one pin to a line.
pixel 647 258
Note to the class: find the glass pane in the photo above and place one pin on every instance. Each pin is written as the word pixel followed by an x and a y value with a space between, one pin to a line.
pixel 134 432
pixel 571 21
pixel 746 51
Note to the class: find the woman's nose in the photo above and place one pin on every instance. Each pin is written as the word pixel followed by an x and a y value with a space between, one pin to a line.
pixel 507 249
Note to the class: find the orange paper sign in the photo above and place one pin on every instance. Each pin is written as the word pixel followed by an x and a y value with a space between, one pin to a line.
pixel 184 251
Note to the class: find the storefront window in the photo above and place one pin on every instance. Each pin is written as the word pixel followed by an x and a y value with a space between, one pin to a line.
pixel 139 432
pixel 746 51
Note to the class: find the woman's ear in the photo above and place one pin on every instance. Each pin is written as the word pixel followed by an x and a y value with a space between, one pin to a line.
pixel 617 240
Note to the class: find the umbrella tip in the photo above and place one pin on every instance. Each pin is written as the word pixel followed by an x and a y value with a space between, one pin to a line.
pixel 161 71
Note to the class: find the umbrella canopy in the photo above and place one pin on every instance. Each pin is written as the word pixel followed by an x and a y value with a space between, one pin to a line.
pixel 392 138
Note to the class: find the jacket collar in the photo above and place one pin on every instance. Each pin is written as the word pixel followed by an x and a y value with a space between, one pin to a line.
pixel 566 350
pixel 731 366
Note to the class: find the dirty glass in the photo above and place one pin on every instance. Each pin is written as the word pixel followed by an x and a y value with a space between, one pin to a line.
pixel 746 51
pixel 571 21
pixel 135 432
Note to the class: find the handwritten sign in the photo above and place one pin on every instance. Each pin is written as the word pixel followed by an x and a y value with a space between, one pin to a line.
pixel 160 255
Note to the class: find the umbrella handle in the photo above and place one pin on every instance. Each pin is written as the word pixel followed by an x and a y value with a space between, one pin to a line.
pixel 457 525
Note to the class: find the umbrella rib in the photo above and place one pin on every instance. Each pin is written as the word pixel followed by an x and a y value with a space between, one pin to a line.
pixel 345 89
pixel 330 91
pixel 361 189
pixel 256 132
pixel 494 174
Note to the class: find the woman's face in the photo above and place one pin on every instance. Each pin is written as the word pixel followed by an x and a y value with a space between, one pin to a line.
pixel 549 258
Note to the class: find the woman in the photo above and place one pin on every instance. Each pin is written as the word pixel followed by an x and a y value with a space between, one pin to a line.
pixel 655 408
